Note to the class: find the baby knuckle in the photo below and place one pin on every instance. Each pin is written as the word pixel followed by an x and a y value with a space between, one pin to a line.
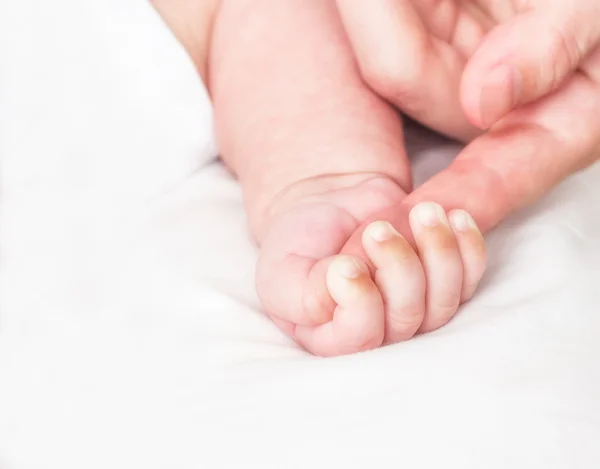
pixel 446 249
pixel 402 325
pixel 362 342
pixel 445 308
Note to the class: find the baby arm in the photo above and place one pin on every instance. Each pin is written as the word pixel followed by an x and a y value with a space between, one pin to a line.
pixel 317 153
pixel 290 105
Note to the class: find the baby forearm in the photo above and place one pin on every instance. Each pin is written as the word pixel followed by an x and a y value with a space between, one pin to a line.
pixel 289 101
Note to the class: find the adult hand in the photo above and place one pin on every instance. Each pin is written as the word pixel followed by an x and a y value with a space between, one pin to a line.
pixel 527 70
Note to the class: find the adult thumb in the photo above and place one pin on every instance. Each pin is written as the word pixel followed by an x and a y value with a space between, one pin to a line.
pixel 526 58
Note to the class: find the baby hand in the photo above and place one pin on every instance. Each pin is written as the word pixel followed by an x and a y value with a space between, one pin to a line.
pixel 335 304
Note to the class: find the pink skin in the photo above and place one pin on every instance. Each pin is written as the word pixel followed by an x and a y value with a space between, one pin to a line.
pixel 337 304
pixel 319 155
pixel 538 94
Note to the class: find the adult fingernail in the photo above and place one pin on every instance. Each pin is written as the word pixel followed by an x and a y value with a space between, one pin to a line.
pixel 430 214
pixel 499 94
pixel 349 267
pixel 462 221
pixel 381 231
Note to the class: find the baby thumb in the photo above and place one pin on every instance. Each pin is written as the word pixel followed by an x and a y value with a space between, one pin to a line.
pixel 526 58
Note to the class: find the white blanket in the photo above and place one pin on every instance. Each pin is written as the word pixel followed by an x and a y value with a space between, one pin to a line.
pixel 130 334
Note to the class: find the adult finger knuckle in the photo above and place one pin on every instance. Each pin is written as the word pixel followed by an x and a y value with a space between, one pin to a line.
pixel 392 76
pixel 565 52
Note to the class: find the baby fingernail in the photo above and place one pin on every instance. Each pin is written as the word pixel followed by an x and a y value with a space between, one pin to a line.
pixel 462 221
pixel 381 231
pixel 430 214
pixel 348 267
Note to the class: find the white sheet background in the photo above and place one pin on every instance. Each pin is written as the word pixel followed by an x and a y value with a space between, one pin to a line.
pixel 130 336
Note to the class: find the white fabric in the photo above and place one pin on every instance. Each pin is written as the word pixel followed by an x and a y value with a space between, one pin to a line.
pixel 130 335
